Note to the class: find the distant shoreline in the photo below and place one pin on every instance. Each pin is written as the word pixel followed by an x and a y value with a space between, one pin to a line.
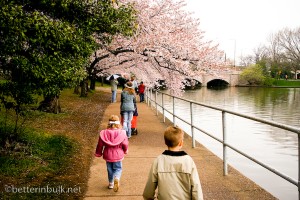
pixel 263 86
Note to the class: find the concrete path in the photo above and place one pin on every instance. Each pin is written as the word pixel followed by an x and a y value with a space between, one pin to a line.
pixel 146 146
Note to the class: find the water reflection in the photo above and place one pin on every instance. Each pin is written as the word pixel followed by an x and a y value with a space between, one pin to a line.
pixel 273 146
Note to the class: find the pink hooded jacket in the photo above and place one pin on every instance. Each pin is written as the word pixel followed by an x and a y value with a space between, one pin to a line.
pixel 112 145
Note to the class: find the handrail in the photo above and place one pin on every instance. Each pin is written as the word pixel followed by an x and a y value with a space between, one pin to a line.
pixel 296 130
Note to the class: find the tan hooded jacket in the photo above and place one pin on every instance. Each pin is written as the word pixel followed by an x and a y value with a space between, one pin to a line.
pixel 175 176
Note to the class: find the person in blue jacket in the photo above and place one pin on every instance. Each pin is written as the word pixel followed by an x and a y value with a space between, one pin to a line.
pixel 127 106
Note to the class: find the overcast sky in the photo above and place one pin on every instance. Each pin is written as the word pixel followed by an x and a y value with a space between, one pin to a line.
pixel 245 24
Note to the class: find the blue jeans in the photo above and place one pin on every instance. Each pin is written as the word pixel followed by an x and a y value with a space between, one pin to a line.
pixel 113 96
pixel 142 97
pixel 127 117
pixel 114 169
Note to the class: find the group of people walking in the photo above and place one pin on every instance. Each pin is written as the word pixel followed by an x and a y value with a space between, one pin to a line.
pixel 139 89
pixel 173 173
pixel 128 108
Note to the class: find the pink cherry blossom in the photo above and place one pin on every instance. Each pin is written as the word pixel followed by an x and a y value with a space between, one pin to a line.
pixel 168 45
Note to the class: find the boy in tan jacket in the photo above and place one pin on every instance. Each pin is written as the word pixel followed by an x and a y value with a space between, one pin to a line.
pixel 174 172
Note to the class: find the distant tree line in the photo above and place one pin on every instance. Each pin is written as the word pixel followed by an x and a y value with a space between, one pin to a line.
pixel 280 57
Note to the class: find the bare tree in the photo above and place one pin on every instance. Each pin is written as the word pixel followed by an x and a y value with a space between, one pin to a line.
pixel 274 49
pixel 260 53
pixel 282 53
pixel 289 42
pixel 247 60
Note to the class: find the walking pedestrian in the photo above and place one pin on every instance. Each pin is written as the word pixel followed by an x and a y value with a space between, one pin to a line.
pixel 173 172
pixel 112 145
pixel 127 107
pixel 134 84
pixel 114 88
pixel 141 90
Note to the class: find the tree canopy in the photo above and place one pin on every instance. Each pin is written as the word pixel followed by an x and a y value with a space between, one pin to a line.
pixel 168 45
pixel 46 45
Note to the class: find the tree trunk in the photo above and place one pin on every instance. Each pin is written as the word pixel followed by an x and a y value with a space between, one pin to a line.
pixel 86 83
pixel 84 88
pixel 102 80
pixel 50 104
pixel 76 89
pixel 93 83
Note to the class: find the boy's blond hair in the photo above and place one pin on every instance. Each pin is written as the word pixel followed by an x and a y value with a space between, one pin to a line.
pixel 173 136
pixel 114 122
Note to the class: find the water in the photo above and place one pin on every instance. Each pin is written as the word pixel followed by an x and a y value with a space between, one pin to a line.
pixel 272 146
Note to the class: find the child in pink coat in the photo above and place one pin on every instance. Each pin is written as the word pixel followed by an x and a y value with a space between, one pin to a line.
pixel 113 145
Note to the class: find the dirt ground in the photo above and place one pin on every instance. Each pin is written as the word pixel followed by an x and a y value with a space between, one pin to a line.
pixel 80 120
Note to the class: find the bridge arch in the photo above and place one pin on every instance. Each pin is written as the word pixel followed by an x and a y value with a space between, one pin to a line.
pixel 231 79
pixel 217 83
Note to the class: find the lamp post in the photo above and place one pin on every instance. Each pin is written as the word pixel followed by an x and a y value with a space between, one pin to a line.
pixel 234 52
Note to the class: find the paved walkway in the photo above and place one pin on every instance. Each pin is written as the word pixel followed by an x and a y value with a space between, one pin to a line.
pixel 147 145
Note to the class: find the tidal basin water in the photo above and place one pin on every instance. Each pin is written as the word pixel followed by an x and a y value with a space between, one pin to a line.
pixel 272 146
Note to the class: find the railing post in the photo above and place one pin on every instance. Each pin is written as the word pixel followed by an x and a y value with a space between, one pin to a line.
pixel 163 106
pixel 148 102
pixel 156 102
pixel 146 94
pixel 151 98
pixel 174 110
pixel 298 166
pixel 225 166
pixel 192 126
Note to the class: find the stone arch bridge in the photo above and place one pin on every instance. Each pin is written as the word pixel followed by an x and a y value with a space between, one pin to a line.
pixel 230 79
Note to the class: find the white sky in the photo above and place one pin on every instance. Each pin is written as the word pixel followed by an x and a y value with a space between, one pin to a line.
pixel 244 25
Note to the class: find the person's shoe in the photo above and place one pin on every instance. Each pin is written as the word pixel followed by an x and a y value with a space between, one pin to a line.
pixel 116 185
pixel 110 185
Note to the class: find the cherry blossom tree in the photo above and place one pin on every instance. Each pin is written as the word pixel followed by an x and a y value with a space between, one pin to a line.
pixel 168 45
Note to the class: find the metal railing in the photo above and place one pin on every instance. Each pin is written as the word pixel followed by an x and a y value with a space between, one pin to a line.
pixel 152 102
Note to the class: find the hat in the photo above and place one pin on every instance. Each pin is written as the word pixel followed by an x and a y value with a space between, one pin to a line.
pixel 128 85
pixel 114 122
